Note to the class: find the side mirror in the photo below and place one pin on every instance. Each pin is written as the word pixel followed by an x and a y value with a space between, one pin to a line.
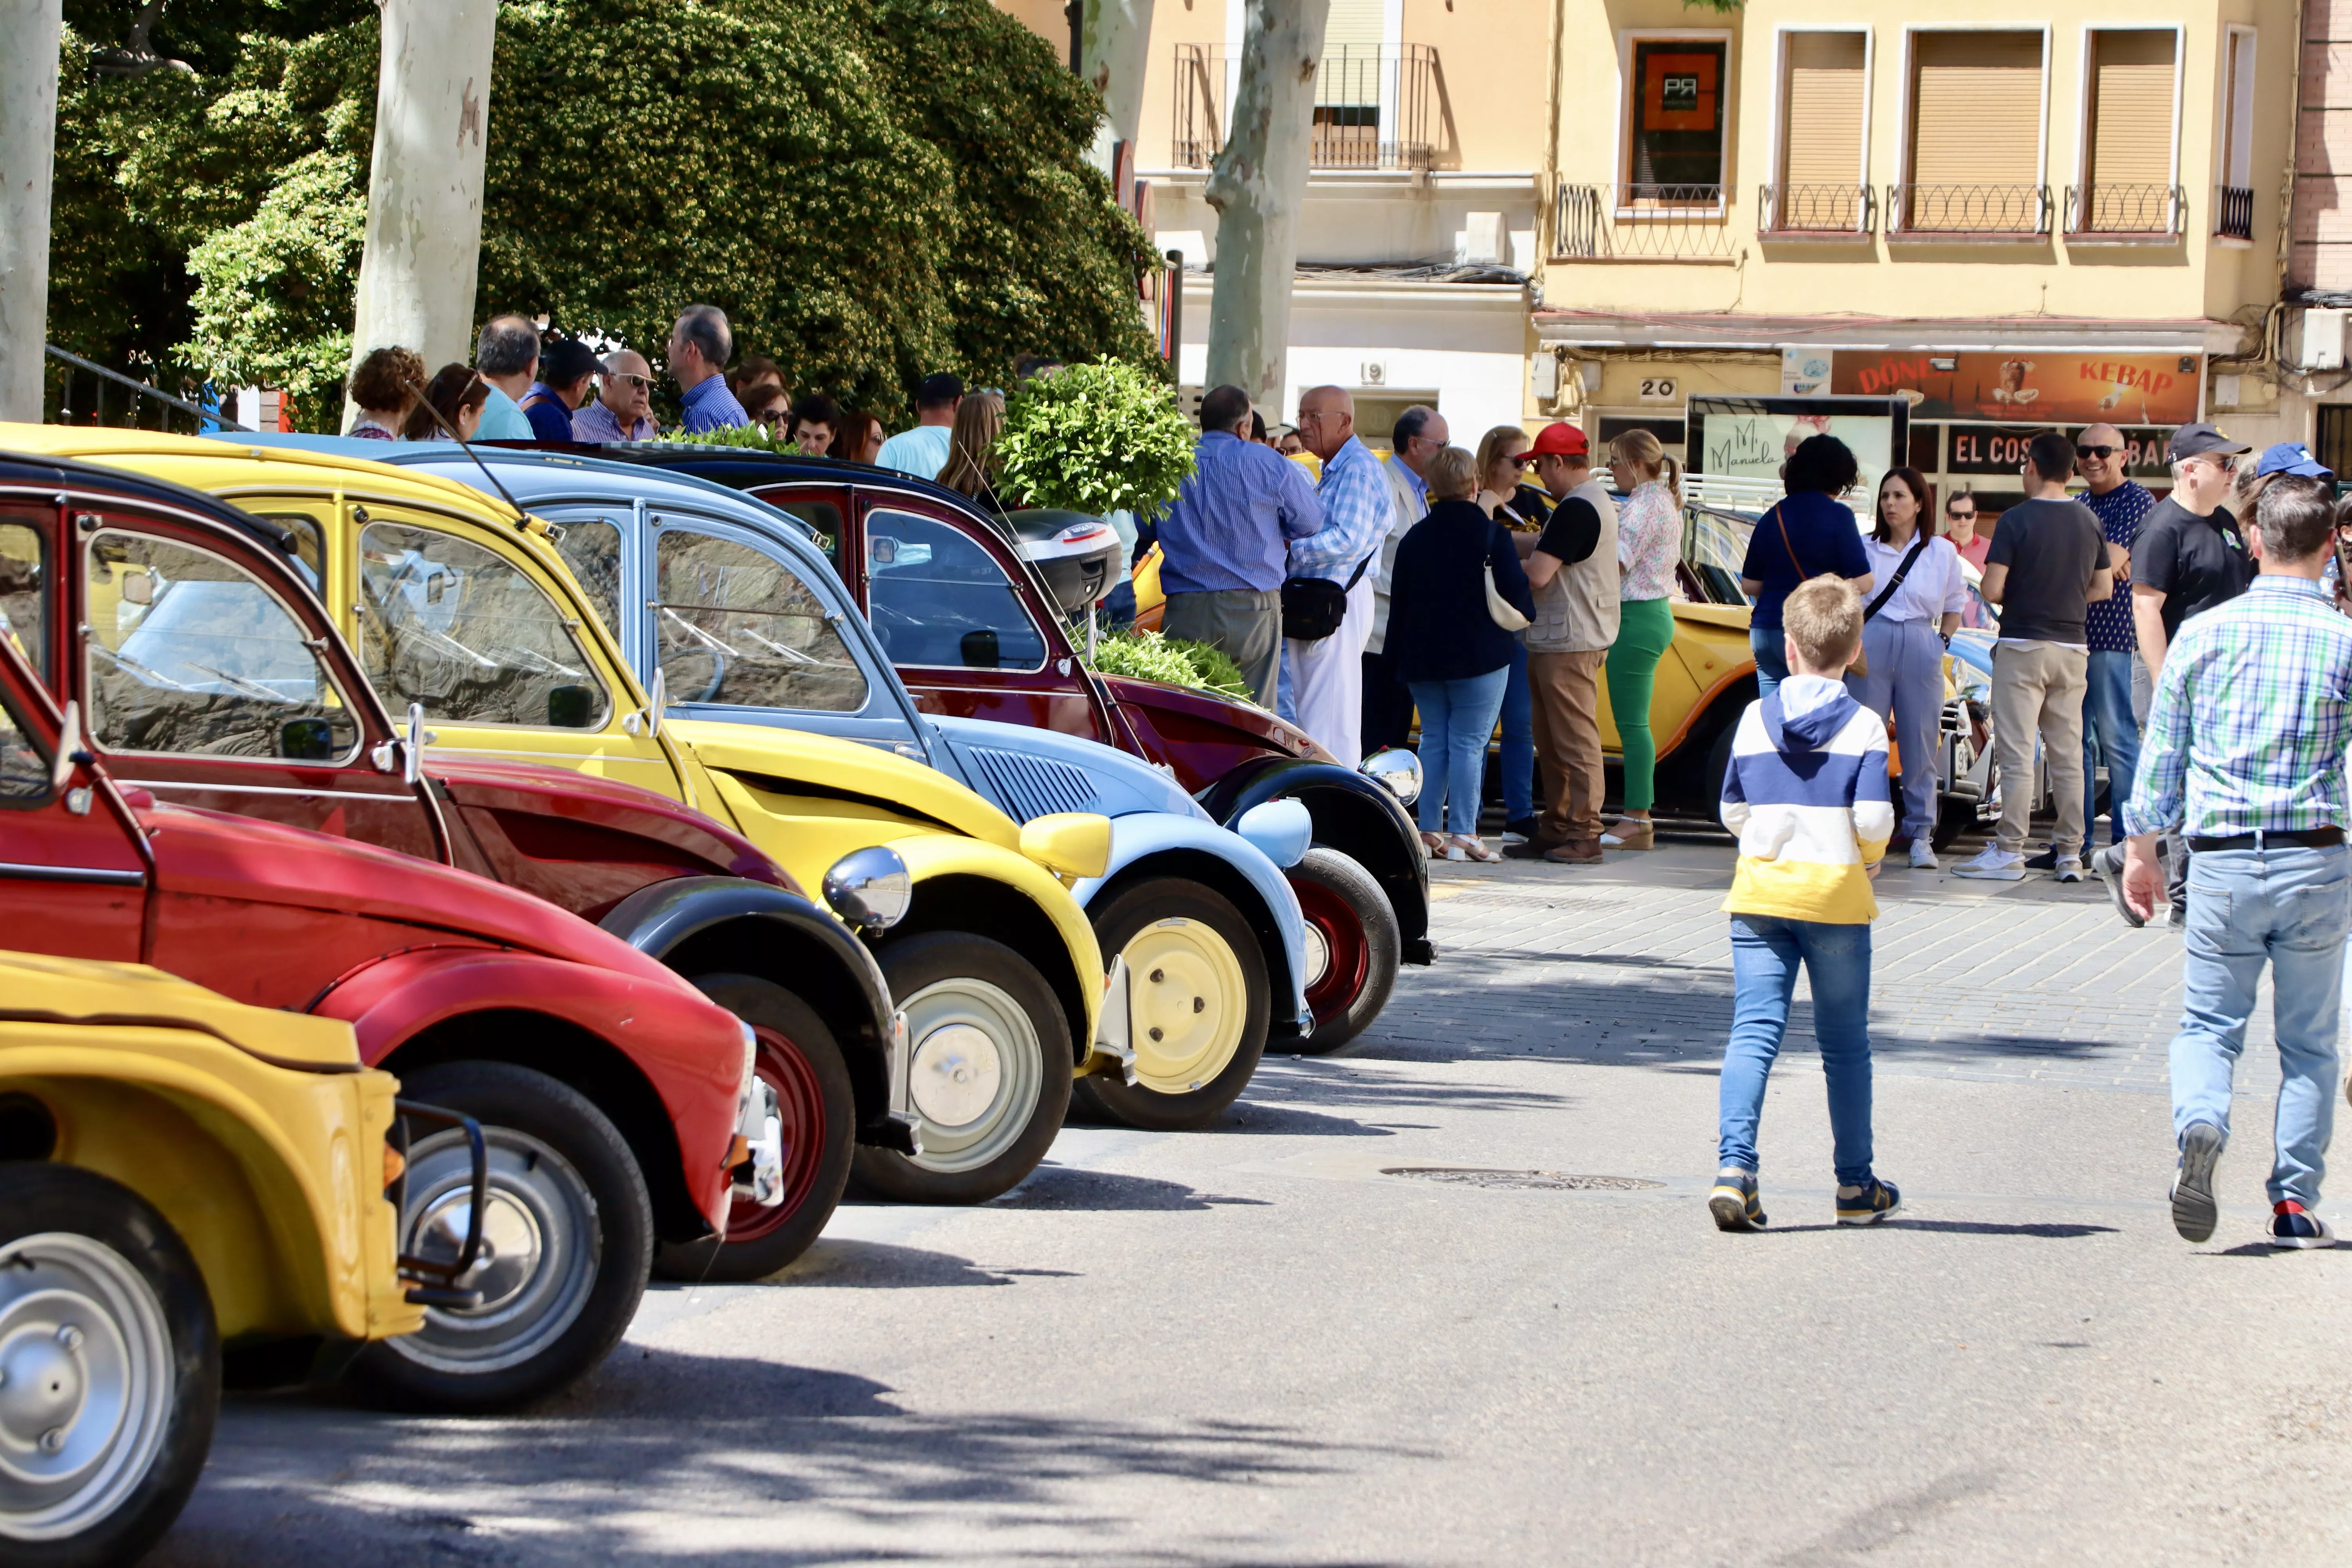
pixel 70 754
pixel 570 707
pixel 138 588
pixel 308 740
pixel 412 751
pixel 660 701
pixel 882 550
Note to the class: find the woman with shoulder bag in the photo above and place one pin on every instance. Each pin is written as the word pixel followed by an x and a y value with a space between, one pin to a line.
pixel 1523 508
pixel 1807 533
pixel 1906 624
pixel 1459 596
pixel 1649 546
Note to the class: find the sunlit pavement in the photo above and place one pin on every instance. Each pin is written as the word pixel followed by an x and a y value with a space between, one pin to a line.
pixel 1261 1343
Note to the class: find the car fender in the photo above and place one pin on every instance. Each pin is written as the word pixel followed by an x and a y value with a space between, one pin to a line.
pixel 940 857
pixel 1143 837
pixel 689 1051
pixel 1354 815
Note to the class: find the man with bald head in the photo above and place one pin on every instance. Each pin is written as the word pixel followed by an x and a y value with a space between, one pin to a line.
pixel 1326 674
pixel 623 407
pixel 2110 729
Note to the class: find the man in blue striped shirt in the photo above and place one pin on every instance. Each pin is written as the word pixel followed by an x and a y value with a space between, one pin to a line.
pixel 699 346
pixel 2244 752
pixel 1326 675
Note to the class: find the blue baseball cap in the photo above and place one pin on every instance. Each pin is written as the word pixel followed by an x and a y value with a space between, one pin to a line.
pixel 2292 457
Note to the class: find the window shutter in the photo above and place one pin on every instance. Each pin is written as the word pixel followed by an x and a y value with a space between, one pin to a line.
pixel 1976 109
pixel 1820 113
pixel 2131 108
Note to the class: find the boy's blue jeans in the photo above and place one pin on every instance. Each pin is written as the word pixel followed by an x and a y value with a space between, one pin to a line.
pixel 1765 953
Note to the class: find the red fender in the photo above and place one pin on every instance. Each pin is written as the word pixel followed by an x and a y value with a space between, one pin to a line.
pixel 691 1050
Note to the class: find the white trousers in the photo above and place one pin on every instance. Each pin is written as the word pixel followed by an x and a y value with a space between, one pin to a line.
pixel 1326 680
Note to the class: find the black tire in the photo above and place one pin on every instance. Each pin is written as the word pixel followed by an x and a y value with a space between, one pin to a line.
pixel 132 1273
pixel 558 1168
pixel 1351 915
pixel 1709 804
pixel 1140 914
pixel 953 980
pixel 801 1061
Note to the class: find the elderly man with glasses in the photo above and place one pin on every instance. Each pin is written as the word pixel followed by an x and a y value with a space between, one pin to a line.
pixel 622 409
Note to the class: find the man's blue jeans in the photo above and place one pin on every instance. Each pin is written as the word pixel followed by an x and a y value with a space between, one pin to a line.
pixel 1518 749
pixel 1765 953
pixel 2245 906
pixel 2109 731
pixel 1770 646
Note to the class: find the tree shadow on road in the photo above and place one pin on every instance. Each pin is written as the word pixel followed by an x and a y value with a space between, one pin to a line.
pixel 1053 1186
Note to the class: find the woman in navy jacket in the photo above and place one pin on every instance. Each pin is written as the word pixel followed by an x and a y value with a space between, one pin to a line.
pixel 1448 650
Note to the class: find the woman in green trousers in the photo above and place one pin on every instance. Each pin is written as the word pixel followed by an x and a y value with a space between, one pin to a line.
pixel 1649 543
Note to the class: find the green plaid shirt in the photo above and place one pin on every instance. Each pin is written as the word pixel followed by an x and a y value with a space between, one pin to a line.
pixel 2251 718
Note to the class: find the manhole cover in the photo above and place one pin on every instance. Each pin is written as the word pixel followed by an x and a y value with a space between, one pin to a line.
pixel 1521 1181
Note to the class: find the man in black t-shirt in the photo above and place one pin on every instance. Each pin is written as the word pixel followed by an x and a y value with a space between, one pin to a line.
pixel 2189 556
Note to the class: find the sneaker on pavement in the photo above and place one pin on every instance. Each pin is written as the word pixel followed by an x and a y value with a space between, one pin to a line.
pixel 1735 1202
pixel 1520 829
pixel 2194 1214
pixel 1993 864
pixel 1923 855
pixel 2108 864
pixel 2175 914
pixel 2045 861
pixel 1868 1203
pixel 2292 1225
pixel 2070 868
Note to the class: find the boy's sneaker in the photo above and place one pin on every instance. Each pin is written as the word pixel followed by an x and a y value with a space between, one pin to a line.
pixel 1923 855
pixel 1734 1202
pixel 2108 865
pixel 2193 1211
pixel 2292 1225
pixel 1868 1203
pixel 2070 868
pixel 2045 861
pixel 1993 864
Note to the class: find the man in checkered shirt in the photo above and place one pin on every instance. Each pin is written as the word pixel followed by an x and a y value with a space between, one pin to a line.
pixel 1326 677
pixel 2244 751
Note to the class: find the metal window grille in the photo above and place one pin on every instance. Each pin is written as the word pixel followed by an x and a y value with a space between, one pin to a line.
pixel 1640 222
pixel 1817 208
pixel 1374 105
pixel 2126 209
pixel 1970 209
pixel 2234 213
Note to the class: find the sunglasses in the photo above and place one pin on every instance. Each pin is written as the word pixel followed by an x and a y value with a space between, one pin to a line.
pixel 640 381
pixel 2096 451
pixel 1968 516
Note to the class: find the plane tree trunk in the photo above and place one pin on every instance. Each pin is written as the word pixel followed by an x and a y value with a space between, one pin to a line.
pixel 1115 46
pixel 28 134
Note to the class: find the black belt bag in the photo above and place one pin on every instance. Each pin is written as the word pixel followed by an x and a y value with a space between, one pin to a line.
pixel 1313 607
pixel 2309 839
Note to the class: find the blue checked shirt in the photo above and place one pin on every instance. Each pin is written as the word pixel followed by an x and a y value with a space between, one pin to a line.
pixel 2251 714
pixel 710 406
pixel 1357 512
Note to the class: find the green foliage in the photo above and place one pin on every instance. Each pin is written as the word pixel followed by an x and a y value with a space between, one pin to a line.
pixel 1148 655
pixel 273 296
pixel 755 436
pixel 1095 438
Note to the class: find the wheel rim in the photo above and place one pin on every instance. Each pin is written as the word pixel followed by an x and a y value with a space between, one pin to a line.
pixel 800 1104
pixel 1187 1000
pixel 542 1247
pixel 1347 954
pixel 976 1072
pixel 85 1384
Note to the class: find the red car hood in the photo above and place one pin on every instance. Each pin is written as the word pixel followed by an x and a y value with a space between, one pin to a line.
pixel 569 815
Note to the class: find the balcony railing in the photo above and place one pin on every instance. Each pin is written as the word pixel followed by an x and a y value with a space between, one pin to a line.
pixel 1374 104
pixel 2003 210
pixel 2126 212
pixel 2234 213
pixel 1813 209
pixel 1640 222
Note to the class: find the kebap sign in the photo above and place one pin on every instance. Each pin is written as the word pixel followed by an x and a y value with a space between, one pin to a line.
pixel 2029 385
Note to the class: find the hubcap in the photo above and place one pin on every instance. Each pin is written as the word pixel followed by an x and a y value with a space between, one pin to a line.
pixel 800 1106
pixel 1335 978
pixel 978 1072
pixel 956 1075
pixel 86 1375
pixel 1188 1003
pixel 1319 953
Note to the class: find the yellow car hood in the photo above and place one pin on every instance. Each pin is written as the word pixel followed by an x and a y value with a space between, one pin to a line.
pixel 41 989
pixel 823 765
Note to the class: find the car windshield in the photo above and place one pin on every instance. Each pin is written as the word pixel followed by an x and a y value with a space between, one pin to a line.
pixel 1715 543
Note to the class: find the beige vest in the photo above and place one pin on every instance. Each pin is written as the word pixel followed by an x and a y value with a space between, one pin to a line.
pixel 1576 612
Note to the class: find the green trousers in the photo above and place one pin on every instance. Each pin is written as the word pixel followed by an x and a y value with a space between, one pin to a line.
pixel 1646 629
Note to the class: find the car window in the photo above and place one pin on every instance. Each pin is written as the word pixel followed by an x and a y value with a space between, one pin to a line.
pixel 935 596
pixel 591 546
pixel 465 633
pixel 310 547
pixel 22 620
pixel 190 654
pixel 24 772
pixel 734 624
pixel 821 515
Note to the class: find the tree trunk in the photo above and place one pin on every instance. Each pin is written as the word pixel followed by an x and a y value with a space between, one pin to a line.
pixel 28 134
pixel 425 183
pixel 1116 46
pixel 1257 186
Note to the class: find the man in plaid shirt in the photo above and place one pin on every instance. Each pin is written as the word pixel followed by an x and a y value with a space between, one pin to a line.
pixel 1326 677
pixel 2253 712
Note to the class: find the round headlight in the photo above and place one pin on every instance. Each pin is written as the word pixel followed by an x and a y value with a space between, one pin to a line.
pixel 870 888
pixel 1399 770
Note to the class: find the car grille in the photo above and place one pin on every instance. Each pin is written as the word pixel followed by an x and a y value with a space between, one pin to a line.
pixel 1029 787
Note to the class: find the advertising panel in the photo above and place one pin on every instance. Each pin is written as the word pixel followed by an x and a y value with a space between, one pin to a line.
pixel 2034 385
pixel 2001 449
pixel 1750 438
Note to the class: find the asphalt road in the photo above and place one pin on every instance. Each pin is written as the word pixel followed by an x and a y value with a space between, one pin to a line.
pixel 1263 1343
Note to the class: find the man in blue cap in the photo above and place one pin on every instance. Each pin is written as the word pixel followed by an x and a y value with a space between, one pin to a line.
pixel 2291 457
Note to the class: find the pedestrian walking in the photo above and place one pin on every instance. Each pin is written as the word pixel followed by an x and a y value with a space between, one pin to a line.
pixel 2049 561
pixel 565 379
pixel 701 343
pixel 1911 616
pixel 859 439
pixel 623 410
pixel 808 430
pixel 1648 547
pixel 1419 434
pixel 1806 794
pixel 1806 533
pixel 1573 571
pixel 1323 660
pixel 922 450
pixel 386 386
pixel 973 467
pixel 2244 753
pixel 456 393
pixel 1451 647
pixel 2110 728
pixel 1225 542
pixel 1523 510
pixel 506 353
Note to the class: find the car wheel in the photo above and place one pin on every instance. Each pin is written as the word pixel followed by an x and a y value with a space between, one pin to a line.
pixel 1955 815
pixel 799 1058
pixel 567 1241
pixel 1198 1001
pixel 1352 949
pixel 988 1064
pixel 110 1369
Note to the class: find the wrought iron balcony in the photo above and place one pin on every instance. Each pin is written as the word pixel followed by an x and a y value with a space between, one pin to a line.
pixel 2126 212
pixel 1640 222
pixel 1373 105
pixel 2234 213
pixel 1816 210
pixel 2002 211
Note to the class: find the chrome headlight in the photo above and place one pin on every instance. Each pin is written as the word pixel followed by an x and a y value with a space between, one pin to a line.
pixel 1398 769
pixel 870 888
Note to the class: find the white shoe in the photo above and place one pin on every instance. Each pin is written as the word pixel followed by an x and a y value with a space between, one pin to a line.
pixel 2070 868
pixel 1993 864
pixel 1923 855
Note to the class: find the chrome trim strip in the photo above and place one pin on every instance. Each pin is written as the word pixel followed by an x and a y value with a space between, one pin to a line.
pixel 11 870
pixel 259 789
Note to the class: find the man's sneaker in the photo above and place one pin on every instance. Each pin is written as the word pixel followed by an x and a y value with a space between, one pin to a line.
pixel 2070 868
pixel 1993 864
pixel 1923 855
pixel 2193 1211
pixel 2108 864
pixel 1734 1202
pixel 2175 914
pixel 2045 861
pixel 2292 1225
pixel 1868 1203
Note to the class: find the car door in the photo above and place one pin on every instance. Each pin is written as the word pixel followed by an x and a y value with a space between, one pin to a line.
pixel 72 881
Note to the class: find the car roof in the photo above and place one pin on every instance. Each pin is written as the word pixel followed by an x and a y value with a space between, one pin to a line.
pixel 38 472
pixel 313 460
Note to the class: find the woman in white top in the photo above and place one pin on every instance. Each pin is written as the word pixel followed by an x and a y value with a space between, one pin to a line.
pixel 1903 644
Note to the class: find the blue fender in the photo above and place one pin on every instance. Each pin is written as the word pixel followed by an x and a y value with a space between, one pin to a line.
pixel 1142 837
pixel 1354 815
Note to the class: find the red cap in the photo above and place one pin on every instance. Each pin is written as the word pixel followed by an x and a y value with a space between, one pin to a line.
pixel 1558 440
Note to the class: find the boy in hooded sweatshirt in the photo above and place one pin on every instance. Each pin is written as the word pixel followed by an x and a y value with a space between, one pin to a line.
pixel 1806 792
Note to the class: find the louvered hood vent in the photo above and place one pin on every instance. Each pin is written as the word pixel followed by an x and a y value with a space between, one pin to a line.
pixel 1029 787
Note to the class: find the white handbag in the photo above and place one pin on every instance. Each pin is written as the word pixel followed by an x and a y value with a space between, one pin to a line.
pixel 1501 611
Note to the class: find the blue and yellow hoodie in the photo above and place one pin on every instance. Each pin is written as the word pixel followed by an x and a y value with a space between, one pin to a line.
pixel 1806 792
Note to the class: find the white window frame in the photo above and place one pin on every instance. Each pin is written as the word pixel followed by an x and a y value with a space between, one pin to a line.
pixel 1911 31
pixel 2083 126
pixel 1781 36
pixel 1621 134
pixel 2230 34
